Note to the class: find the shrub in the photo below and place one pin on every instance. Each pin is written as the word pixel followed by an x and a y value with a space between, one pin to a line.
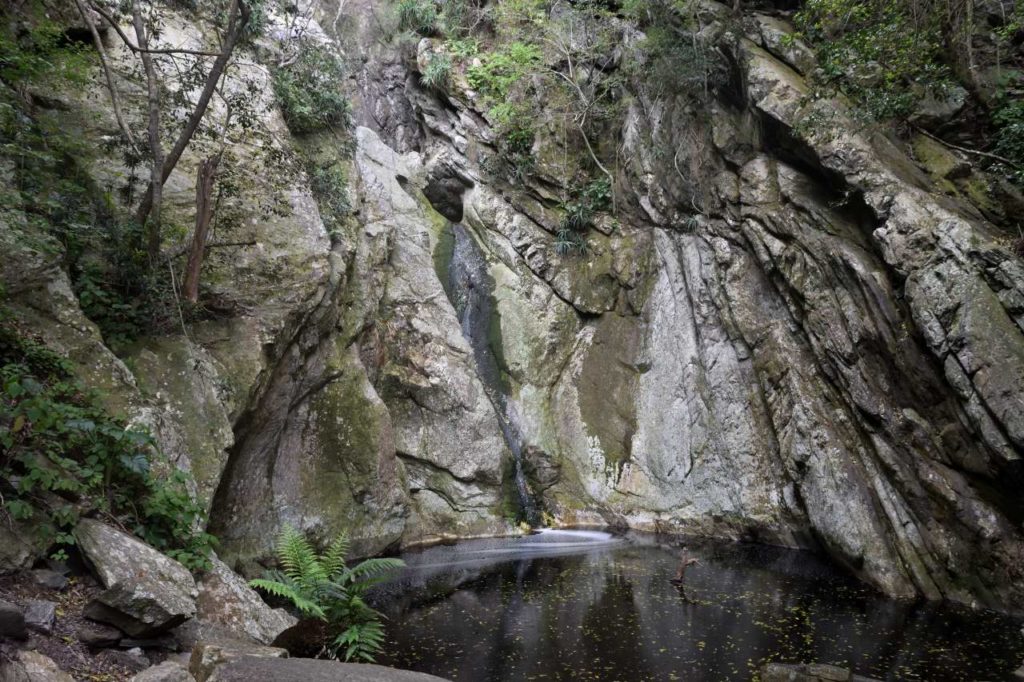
pixel 437 72
pixel 418 16
pixel 64 455
pixel 322 586
pixel 499 71
pixel 309 90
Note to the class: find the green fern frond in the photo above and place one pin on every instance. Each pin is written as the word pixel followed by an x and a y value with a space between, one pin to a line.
pixel 372 568
pixel 299 559
pixel 289 592
pixel 334 560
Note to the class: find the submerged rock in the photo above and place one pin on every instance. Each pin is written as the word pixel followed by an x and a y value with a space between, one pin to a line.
pixel 812 672
pixel 207 658
pixel 146 592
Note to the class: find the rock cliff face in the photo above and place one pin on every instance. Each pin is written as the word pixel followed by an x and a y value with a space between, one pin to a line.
pixel 830 355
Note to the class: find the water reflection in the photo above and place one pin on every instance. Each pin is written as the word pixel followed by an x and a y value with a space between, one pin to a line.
pixel 594 607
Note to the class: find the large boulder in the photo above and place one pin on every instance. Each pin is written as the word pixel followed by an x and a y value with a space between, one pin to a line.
pixel 226 600
pixel 147 593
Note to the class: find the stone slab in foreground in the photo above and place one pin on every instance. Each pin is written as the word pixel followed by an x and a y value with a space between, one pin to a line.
pixel 250 668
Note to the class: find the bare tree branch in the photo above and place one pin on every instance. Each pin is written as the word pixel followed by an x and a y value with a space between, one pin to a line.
pixel 142 48
pixel 111 87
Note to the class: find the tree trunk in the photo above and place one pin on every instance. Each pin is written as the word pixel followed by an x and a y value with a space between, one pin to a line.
pixel 239 19
pixel 150 220
pixel 206 174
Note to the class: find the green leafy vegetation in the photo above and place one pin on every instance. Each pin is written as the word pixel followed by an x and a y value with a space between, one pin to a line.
pixel 438 71
pixel 882 53
pixel 1008 116
pixel 418 16
pixel 65 456
pixel 322 586
pixel 309 90
pixel 889 55
pixel 502 79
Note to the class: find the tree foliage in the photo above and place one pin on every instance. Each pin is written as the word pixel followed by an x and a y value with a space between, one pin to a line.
pixel 309 90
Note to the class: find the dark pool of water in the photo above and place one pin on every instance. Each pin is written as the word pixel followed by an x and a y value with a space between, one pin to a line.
pixel 589 607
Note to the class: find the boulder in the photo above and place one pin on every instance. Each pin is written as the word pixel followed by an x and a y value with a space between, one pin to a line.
pixel 20 546
pixel 208 657
pixel 41 615
pixel 12 621
pixel 168 671
pixel 225 599
pixel 147 593
pixel 247 668
pixel 52 580
pixel 98 635
pixel 32 666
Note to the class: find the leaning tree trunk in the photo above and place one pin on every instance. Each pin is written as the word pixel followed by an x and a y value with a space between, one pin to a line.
pixel 238 20
pixel 206 174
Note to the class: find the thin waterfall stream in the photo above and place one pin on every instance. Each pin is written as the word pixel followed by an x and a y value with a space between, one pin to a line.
pixel 462 268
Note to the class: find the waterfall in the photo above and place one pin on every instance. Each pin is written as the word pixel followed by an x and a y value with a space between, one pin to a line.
pixel 462 267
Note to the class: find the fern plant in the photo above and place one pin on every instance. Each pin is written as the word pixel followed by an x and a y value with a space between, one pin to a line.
pixel 322 586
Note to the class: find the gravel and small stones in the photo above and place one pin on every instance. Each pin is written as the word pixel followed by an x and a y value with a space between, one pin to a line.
pixel 63 645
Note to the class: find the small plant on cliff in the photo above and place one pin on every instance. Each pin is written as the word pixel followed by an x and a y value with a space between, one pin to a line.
pixel 438 72
pixel 418 16
pixel 322 586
